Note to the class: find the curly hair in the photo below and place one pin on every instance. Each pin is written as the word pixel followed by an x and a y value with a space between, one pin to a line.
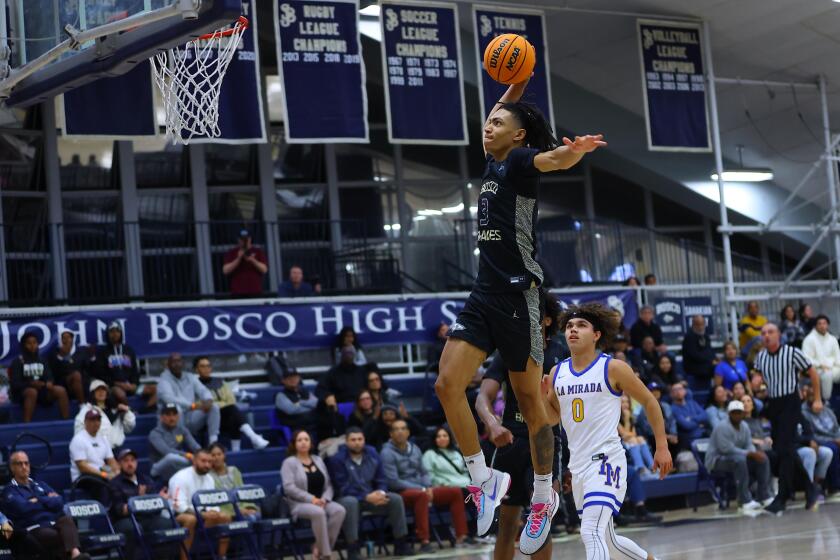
pixel 538 132
pixel 603 319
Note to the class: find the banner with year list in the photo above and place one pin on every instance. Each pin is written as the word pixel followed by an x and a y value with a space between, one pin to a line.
pixel 674 87
pixel 490 22
pixel 322 72
pixel 421 62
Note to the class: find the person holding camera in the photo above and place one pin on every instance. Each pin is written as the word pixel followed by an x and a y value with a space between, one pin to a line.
pixel 245 265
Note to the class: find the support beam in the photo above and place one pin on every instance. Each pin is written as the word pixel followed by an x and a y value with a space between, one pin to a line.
pixel 334 204
pixel 52 174
pixel 650 223
pixel 830 172
pixel 268 203
pixel 131 218
pixel 589 200
pixel 467 242
pixel 765 83
pixel 708 239
pixel 201 217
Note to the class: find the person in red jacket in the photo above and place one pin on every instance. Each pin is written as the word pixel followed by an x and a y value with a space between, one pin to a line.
pixel 245 265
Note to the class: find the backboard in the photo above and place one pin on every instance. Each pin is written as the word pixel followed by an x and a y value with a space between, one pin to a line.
pixel 38 35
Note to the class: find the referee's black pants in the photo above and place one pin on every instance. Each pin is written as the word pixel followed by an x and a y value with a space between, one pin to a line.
pixel 783 413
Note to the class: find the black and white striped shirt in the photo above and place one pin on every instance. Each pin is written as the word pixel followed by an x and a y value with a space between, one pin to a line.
pixel 781 370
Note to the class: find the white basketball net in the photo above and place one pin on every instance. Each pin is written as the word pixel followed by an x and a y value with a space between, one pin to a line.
pixel 190 79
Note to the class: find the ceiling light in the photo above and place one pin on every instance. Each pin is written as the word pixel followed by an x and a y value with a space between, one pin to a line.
pixel 745 174
pixel 387 227
pixel 428 212
pixel 453 209
pixel 372 10
pixel 396 227
pixel 473 209
pixel 476 251
pixel 419 218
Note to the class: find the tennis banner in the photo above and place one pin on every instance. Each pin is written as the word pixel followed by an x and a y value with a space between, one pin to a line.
pixel 322 73
pixel 423 73
pixel 222 329
pixel 491 22
pixel 673 83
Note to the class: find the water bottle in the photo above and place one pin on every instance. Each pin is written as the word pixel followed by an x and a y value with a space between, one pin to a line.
pixel 370 549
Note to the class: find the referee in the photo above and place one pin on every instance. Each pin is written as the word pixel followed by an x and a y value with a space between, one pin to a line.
pixel 781 365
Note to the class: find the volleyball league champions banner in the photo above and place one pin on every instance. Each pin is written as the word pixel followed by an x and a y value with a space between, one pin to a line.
pixel 491 22
pixel 673 83
pixel 322 72
pixel 421 61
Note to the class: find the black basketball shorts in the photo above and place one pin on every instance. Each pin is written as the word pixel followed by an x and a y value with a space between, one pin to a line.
pixel 508 321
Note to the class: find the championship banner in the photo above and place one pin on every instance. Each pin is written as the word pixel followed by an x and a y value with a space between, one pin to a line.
pixel 233 329
pixel 421 62
pixel 241 116
pixel 322 73
pixel 673 314
pixel 491 22
pixel 622 301
pixel 99 108
pixel 674 88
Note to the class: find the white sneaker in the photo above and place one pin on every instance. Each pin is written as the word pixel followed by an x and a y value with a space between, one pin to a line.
pixel 768 501
pixel 537 528
pixel 487 498
pixel 752 505
pixel 259 442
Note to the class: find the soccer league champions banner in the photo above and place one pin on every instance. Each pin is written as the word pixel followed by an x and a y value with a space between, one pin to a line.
pixel 421 61
pixel 491 22
pixel 321 70
pixel 674 87
pixel 223 329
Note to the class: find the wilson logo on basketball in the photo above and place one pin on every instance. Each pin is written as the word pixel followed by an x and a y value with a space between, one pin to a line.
pixel 497 52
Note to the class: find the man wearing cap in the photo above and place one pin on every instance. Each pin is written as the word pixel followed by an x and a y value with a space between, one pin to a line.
pixel 91 457
pixel 245 265
pixel 116 364
pixel 127 484
pixel 171 445
pixel 731 449
pixel 194 400
pixel 295 286
pixel 295 404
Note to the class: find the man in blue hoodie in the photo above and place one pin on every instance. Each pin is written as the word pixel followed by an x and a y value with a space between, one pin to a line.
pixel 360 482
pixel 36 508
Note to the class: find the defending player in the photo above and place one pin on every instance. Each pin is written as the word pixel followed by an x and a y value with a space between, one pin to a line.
pixel 502 311
pixel 584 393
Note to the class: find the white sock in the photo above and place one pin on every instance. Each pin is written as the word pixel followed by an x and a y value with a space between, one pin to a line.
pixel 236 445
pixel 477 467
pixel 248 431
pixel 542 489
pixel 211 439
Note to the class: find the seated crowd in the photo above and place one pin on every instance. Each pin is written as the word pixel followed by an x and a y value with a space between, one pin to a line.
pixel 353 448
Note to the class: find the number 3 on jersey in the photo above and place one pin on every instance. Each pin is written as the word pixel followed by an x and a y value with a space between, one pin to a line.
pixel 484 211
pixel 577 410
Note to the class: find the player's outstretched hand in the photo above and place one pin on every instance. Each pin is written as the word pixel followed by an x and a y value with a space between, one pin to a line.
pixel 584 144
pixel 662 462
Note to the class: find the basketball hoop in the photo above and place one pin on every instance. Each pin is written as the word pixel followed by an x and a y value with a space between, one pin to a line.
pixel 190 78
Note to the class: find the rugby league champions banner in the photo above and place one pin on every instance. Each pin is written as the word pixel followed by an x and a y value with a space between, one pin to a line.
pixel 421 62
pixel 322 73
pixel 491 22
pixel 225 329
pixel 674 88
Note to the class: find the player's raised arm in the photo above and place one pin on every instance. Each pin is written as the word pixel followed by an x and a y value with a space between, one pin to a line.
pixel 622 378
pixel 567 155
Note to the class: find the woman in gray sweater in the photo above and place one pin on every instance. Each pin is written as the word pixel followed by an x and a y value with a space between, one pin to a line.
pixel 309 492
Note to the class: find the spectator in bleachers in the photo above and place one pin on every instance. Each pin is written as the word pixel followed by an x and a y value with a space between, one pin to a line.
pixel 716 409
pixel 758 388
pixel 823 350
pixel 643 426
pixel 435 350
pixel 36 507
pixel 245 265
pixel 698 356
pixel 127 484
pixel 619 344
pixel 5 397
pixel 66 366
pixel 636 445
pixel 364 410
pixel 632 282
pixel 182 486
pixel 295 286
pixel 347 337
pixel 116 364
pixel 11 538
pixel 760 437
pixel 116 421
pixel 403 466
pixel 31 381
pixel 826 432
pixel 309 493
pixel 650 279
pixel 194 400
pixel 815 457
pixel 793 332
pixel 361 484
pixel 645 357
pixel 646 326
pixel 331 427
pixel 376 386
pixel 378 431
pixel 294 403
pixel 344 380
pixel 444 462
pixel 317 286
pixel 227 478
pixel 806 317
pixel 750 326
pixel 232 422
pixel 664 373
pixel 692 421
pixel 92 459
pixel 731 450
pixel 731 368
pixel 739 390
pixel 171 445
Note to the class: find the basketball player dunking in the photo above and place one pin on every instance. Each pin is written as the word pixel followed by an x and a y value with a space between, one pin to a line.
pixel 502 311
pixel 584 393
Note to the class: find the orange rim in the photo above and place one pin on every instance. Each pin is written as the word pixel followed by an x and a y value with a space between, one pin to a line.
pixel 242 26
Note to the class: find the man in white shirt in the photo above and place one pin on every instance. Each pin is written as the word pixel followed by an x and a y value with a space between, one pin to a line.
pixel 824 352
pixel 92 462
pixel 183 485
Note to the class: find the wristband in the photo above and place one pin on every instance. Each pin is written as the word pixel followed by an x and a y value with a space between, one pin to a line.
pixel 103 474
pixel 192 406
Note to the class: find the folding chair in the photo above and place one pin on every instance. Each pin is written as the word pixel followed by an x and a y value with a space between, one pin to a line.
pixel 96 532
pixel 272 527
pixel 713 480
pixel 204 499
pixel 152 504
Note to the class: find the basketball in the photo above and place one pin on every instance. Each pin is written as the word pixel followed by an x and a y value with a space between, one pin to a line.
pixel 509 58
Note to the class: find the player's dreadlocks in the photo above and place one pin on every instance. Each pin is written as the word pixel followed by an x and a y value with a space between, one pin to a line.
pixel 538 132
